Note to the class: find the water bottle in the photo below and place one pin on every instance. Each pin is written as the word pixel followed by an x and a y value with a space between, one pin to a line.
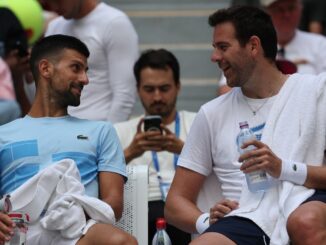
pixel 161 237
pixel 21 220
pixel 257 181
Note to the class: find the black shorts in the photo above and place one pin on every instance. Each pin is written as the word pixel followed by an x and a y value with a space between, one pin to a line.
pixel 243 231
pixel 319 195
pixel 240 230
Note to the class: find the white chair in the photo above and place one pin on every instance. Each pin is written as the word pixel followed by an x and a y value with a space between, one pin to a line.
pixel 135 211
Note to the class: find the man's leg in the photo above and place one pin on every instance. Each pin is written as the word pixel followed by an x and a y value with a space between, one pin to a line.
pixel 212 238
pixel 233 230
pixel 103 234
pixel 307 224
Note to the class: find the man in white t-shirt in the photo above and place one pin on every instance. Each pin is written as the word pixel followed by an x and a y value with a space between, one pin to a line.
pixel 113 44
pixel 306 50
pixel 280 110
pixel 158 83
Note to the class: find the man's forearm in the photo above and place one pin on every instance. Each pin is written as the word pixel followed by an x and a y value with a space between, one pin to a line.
pixel 129 156
pixel 316 177
pixel 182 214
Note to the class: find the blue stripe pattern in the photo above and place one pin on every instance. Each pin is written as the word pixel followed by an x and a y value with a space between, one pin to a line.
pixel 14 179
pixel 17 150
pixel 85 164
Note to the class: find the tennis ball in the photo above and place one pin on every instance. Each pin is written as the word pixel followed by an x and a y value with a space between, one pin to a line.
pixel 30 15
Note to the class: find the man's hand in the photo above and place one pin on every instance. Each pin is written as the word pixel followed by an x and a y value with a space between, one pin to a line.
pixel 6 228
pixel 152 141
pixel 220 209
pixel 143 141
pixel 261 158
pixel 170 141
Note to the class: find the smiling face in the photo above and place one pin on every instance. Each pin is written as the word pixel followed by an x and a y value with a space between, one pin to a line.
pixel 68 77
pixel 235 61
pixel 158 91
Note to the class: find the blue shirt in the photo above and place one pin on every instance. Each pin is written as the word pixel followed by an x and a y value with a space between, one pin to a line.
pixel 28 145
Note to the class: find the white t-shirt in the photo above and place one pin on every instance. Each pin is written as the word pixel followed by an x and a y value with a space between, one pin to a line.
pixel 126 132
pixel 211 143
pixel 113 45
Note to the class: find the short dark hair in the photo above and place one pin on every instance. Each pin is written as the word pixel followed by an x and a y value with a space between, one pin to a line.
pixel 53 45
pixel 157 59
pixel 249 21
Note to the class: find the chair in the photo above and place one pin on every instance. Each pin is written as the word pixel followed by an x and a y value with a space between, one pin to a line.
pixel 135 211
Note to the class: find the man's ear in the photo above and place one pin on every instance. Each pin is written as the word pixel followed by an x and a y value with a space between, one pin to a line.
pixel 45 68
pixel 254 44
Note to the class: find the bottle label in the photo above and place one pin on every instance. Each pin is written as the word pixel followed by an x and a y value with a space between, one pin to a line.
pixel 21 220
pixel 258 176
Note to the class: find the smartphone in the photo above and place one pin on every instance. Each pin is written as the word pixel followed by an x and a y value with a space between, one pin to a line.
pixel 152 123
pixel 22 51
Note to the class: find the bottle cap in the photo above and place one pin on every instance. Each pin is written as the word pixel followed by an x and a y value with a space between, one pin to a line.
pixel 5 204
pixel 243 124
pixel 160 223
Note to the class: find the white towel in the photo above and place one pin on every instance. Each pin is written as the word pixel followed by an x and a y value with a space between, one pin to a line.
pixel 59 190
pixel 295 130
pixel 302 102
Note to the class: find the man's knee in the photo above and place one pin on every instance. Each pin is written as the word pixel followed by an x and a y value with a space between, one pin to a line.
pixel 124 239
pixel 306 223
pixel 107 234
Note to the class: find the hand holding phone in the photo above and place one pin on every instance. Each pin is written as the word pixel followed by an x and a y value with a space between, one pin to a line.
pixel 153 123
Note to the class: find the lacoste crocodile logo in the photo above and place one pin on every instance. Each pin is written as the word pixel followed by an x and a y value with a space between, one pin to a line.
pixel 82 137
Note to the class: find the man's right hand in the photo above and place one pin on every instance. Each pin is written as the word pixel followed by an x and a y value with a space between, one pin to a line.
pixel 220 209
pixel 6 228
pixel 143 141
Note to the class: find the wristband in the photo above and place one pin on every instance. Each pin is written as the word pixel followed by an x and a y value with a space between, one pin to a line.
pixel 294 172
pixel 202 223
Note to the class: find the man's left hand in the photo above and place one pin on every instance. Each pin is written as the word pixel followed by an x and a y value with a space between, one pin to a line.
pixel 261 158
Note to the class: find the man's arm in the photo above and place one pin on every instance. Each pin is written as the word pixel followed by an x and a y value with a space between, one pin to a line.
pixel 180 208
pixel 122 52
pixel 263 158
pixel 111 191
pixel 316 177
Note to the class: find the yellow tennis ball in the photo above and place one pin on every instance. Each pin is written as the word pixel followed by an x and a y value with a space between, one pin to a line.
pixel 30 15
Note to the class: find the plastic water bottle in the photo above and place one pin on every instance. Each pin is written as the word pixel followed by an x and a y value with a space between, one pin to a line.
pixel 161 237
pixel 258 180
pixel 21 220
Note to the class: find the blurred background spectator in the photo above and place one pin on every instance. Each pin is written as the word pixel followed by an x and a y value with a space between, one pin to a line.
pixel 21 25
pixel 314 16
pixel 9 108
pixel 113 44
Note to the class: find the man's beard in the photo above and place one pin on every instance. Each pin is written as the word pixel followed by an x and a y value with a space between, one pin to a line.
pixel 69 99
pixel 164 111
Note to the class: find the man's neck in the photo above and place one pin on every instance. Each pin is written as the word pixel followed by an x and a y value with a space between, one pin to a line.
pixel 86 7
pixel 43 107
pixel 265 83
